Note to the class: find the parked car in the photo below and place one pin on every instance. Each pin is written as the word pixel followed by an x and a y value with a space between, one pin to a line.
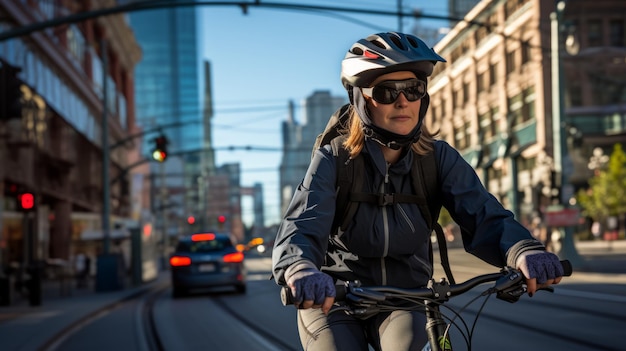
pixel 206 260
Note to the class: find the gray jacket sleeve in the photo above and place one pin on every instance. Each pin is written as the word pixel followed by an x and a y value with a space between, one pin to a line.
pixel 305 228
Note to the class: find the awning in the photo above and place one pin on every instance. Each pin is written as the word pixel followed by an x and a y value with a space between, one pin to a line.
pixel 97 234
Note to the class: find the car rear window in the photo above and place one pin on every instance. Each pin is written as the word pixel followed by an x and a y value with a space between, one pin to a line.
pixel 218 244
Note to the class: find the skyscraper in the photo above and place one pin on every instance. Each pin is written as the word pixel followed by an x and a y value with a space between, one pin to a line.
pixel 299 137
pixel 167 90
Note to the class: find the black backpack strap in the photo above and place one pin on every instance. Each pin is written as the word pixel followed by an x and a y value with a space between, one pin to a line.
pixel 387 199
pixel 426 185
pixel 347 184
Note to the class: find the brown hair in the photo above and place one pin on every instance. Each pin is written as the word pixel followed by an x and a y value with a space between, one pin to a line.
pixel 356 137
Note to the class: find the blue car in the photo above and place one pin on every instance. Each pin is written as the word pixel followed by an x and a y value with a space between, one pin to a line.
pixel 206 260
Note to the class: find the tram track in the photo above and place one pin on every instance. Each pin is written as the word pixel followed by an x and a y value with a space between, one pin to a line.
pixel 146 297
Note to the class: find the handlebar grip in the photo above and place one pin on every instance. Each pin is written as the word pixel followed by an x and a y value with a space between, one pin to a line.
pixel 287 298
pixel 567 268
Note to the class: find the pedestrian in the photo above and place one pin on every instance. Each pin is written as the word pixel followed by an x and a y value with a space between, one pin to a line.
pixel 386 79
pixel 81 270
pixel 596 230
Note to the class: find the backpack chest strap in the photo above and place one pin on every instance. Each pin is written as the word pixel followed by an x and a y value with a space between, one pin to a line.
pixel 386 199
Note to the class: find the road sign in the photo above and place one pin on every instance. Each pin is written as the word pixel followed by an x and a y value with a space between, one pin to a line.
pixel 564 217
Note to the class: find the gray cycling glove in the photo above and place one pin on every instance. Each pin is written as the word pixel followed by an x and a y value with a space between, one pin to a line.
pixel 539 263
pixel 308 283
pixel 543 266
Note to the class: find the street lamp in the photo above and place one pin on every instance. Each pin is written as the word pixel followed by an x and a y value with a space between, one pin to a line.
pixel 562 161
pixel 597 160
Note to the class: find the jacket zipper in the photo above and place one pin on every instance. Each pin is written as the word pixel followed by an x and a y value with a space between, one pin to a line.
pixel 386 228
pixel 406 217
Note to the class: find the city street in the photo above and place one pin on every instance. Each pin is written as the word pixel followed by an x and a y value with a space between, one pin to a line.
pixel 585 312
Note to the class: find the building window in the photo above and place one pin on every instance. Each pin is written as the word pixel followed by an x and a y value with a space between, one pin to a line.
pixel 484 125
pixel 575 94
pixel 526 52
pixel 528 110
pixel 480 82
pixel 76 44
pixel 510 62
pixel 493 74
pixel 516 115
pixel 512 6
pixel 495 120
pixel 466 92
pixel 455 99
pixel 481 33
pixel 617 37
pixel 594 33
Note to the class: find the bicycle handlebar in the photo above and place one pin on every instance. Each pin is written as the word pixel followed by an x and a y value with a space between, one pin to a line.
pixel 509 287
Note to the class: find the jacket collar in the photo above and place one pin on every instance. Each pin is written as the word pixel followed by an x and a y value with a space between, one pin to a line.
pixel 403 166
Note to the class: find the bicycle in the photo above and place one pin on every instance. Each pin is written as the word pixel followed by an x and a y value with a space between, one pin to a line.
pixel 366 301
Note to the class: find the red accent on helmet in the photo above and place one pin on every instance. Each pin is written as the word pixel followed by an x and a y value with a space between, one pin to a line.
pixel 370 54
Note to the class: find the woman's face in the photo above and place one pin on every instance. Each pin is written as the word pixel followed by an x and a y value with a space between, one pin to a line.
pixel 399 116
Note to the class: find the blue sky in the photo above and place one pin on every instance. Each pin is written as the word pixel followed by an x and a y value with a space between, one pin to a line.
pixel 263 59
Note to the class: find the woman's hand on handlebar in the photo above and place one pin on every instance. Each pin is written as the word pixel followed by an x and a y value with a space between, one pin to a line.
pixel 312 289
pixel 541 269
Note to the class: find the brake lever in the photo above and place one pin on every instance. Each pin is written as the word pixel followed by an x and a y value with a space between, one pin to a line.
pixel 513 294
pixel 510 287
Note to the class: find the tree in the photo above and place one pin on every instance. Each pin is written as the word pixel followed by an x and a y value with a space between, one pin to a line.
pixel 606 195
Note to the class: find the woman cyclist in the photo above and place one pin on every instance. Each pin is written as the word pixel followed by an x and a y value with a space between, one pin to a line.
pixel 385 75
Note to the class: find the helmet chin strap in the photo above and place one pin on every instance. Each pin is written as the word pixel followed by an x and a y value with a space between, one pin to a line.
pixel 382 136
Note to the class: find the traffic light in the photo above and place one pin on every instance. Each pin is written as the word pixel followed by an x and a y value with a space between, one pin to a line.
pixel 10 92
pixel 159 153
pixel 26 201
pixel 220 221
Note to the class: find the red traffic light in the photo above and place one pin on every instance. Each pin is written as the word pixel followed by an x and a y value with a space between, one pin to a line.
pixel 191 220
pixel 159 153
pixel 221 219
pixel 27 201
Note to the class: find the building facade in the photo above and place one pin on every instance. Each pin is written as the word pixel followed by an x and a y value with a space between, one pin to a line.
pixel 298 140
pixel 69 76
pixel 494 99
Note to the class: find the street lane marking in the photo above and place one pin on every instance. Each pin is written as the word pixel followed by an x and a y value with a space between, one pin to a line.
pixel 563 290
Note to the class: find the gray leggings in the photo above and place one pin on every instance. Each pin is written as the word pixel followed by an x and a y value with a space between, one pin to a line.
pixel 395 331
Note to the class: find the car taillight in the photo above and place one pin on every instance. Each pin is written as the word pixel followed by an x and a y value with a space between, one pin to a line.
pixel 180 261
pixel 233 257
pixel 203 237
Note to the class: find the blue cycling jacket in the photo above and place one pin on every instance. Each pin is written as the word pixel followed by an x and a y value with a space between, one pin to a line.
pixel 389 245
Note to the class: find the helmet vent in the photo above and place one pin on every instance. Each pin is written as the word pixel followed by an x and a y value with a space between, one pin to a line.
pixel 412 42
pixel 357 51
pixel 398 43
pixel 379 44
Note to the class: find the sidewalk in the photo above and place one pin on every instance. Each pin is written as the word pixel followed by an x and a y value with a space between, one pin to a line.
pixel 605 257
pixel 27 328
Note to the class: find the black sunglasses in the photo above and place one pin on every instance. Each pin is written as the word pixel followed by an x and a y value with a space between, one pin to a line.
pixel 387 92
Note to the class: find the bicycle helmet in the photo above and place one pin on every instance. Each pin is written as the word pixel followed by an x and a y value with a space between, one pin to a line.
pixel 380 54
pixel 385 53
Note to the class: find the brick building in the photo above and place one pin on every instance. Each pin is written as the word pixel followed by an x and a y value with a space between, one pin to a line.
pixel 493 99
pixel 53 148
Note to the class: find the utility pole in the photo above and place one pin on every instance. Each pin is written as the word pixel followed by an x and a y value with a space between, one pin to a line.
pixel 561 158
pixel 106 190
pixel 109 273
pixel 163 208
